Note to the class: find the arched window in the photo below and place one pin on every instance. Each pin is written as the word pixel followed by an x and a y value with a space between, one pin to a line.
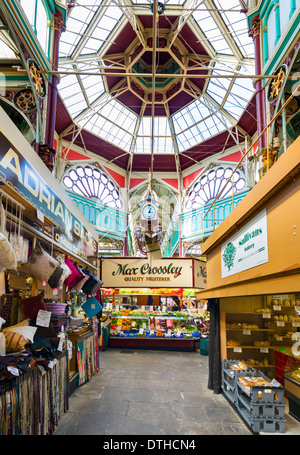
pixel 211 183
pixel 90 182
pixel 271 24
pixel 285 11
pixel 37 16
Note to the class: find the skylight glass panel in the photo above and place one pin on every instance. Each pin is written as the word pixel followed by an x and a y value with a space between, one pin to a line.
pixel 190 115
pixel 238 98
pixel 71 93
pixel 241 93
pixel 76 25
pixel 217 88
pixel 162 142
pixel 104 28
pixel 236 23
pixel 168 2
pixel 93 85
pixel 211 30
pixel 196 123
pixel 112 122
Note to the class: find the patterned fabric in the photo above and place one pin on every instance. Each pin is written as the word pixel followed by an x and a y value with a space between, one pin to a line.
pixel 15 342
pixel 40 264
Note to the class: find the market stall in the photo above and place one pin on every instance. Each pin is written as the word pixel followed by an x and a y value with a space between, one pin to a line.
pixel 49 291
pixel 150 316
pixel 253 291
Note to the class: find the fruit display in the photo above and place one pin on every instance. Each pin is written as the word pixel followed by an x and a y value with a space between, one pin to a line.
pixel 143 323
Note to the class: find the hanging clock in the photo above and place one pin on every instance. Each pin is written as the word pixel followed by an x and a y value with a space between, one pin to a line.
pixel 277 83
pixel 37 79
pixel 149 211
pixel 24 100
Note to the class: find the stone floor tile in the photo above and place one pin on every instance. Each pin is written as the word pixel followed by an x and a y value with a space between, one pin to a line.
pixel 152 393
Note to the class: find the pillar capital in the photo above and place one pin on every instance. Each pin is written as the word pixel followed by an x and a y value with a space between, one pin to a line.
pixel 255 29
pixel 59 24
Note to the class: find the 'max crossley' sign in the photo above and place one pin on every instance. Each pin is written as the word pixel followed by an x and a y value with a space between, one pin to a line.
pixel 154 273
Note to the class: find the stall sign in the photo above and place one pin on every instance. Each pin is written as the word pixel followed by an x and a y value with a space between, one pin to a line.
pixel 152 273
pixel 22 177
pixel 200 274
pixel 246 249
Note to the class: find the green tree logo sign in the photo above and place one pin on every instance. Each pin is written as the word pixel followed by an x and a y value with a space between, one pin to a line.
pixel 229 255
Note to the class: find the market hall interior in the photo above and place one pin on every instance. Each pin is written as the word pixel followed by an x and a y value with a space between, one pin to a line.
pixel 149 185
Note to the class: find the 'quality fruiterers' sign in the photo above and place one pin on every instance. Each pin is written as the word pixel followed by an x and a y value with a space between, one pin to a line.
pixel 69 231
pixel 154 273
pixel 247 249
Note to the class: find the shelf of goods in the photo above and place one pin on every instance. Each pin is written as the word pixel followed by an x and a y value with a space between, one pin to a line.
pixel 258 399
pixel 292 390
pixel 263 335
pixel 154 330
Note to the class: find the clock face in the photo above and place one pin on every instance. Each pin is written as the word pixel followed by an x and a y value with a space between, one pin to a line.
pixel 149 211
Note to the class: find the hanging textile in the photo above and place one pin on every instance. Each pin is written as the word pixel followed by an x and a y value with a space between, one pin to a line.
pixel 32 403
pixel 214 360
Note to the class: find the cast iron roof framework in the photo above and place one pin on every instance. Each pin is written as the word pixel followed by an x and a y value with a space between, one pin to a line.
pixel 161 83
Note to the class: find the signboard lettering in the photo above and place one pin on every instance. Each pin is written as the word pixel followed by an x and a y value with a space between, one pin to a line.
pixel 246 249
pixel 20 175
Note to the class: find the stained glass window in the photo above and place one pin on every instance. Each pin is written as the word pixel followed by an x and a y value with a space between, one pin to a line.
pixel 211 183
pixel 90 182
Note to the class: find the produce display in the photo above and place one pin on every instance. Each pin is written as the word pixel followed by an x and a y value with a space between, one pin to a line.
pixel 142 323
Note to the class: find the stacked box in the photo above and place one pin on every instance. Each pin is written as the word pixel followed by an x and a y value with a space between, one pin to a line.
pixel 261 406
pixel 230 375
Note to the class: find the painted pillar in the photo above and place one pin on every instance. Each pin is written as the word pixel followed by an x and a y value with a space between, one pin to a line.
pixel 255 33
pixel 59 27
pixel 277 23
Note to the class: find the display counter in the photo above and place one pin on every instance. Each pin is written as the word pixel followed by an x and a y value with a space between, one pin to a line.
pixel 154 330
pixel 292 388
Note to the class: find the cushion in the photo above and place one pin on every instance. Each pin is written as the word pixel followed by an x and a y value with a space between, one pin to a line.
pixel 78 286
pixel 91 307
pixel 66 271
pixel 55 277
pixel 92 284
pixel 40 264
pixel 46 332
pixel 26 331
pixel 15 342
pixel 7 258
pixel 31 306
pixel 75 276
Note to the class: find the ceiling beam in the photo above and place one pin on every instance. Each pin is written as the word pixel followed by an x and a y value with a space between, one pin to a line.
pixel 191 6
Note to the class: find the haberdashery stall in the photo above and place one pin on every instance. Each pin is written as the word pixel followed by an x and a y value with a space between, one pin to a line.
pixel 50 299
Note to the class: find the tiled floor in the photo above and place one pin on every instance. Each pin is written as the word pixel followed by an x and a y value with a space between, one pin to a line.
pixel 152 393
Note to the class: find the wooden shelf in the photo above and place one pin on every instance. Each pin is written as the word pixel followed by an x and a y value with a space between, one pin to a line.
pixel 252 330
pixel 251 347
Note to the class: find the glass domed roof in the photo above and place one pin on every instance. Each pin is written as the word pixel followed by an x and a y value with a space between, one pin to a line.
pixel 157 84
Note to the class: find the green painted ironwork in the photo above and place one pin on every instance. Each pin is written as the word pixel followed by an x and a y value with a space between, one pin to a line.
pixel 106 220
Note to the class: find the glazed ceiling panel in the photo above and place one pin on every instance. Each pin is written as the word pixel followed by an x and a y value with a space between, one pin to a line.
pixel 109 87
